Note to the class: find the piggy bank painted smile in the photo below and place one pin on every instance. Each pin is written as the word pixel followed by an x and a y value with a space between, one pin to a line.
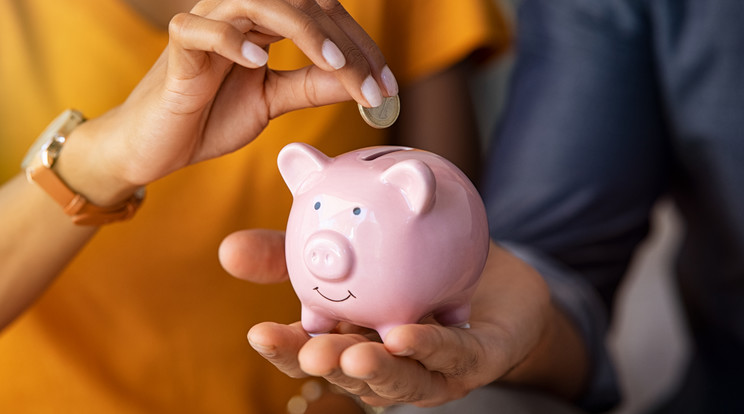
pixel 381 236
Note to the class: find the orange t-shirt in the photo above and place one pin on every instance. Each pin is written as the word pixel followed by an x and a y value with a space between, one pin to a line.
pixel 144 319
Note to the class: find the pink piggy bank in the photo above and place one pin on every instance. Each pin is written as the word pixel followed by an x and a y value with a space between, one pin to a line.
pixel 381 237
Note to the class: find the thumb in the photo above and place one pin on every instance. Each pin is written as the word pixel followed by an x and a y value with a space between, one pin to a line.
pixel 256 255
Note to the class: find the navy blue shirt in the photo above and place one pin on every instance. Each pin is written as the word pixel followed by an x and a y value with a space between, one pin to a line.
pixel 613 105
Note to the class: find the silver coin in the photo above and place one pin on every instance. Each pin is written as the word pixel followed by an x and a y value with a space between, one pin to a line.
pixel 382 116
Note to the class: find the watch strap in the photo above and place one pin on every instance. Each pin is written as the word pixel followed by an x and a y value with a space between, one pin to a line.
pixel 39 169
pixel 76 205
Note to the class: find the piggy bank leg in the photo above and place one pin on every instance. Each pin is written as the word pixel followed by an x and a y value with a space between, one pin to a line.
pixel 315 323
pixel 457 316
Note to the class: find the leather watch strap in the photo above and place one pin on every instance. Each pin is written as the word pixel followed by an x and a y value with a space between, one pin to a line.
pixel 75 205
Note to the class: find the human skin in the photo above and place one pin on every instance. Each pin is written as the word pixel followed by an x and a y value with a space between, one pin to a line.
pixel 199 57
pixel 540 347
pixel 208 94
pixel 517 337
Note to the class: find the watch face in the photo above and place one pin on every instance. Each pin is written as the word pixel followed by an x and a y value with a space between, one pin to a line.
pixel 61 126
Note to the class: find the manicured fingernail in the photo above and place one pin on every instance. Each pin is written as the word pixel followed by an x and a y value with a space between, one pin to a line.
pixel 371 92
pixel 388 79
pixel 332 54
pixel 254 54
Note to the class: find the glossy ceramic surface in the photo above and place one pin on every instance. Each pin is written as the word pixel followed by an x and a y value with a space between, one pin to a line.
pixel 381 236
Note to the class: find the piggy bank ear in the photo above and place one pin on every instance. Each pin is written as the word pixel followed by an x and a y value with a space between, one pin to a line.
pixel 416 182
pixel 297 161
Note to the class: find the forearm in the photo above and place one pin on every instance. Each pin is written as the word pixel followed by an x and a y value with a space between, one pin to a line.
pixel 558 364
pixel 209 94
pixel 38 241
pixel 39 238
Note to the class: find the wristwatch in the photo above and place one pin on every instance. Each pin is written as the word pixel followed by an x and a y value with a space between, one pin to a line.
pixel 39 162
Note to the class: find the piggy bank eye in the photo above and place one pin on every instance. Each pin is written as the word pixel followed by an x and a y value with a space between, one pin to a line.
pixel 357 211
pixel 317 205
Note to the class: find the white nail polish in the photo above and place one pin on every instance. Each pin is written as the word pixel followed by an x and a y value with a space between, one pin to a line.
pixel 388 79
pixel 371 92
pixel 254 54
pixel 333 55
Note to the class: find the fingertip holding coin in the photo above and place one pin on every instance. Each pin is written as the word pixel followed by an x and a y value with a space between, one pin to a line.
pixel 381 116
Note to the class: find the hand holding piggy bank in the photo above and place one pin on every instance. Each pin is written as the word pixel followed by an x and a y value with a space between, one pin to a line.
pixel 381 237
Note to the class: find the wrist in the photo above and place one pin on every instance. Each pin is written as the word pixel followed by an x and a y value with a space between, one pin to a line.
pixel 558 363
pixel 84 165
pixel 41 167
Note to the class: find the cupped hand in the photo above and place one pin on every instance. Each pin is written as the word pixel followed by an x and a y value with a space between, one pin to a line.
pixel 211 93
pixel 513 333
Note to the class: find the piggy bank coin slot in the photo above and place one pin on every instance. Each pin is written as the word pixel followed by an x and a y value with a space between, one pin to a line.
pixel 377 154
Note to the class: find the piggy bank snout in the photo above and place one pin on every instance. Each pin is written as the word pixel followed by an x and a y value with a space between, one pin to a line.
pixel 328 255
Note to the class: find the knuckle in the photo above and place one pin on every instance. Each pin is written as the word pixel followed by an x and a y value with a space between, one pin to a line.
pixel 311 93
pixel 411 396
pixel 370 50
pixel 274 108
pixel 354 57
pixel 400 390
pixel 308 26
pixel 333 9
pixel 434 341
pixel 187 28
pixel 177 25
pixel 301 4
pixel 465 365
pixel 353 387
pixel 224 33
pixel 204 7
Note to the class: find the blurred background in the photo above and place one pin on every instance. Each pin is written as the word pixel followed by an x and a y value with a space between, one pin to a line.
pixel 648 340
